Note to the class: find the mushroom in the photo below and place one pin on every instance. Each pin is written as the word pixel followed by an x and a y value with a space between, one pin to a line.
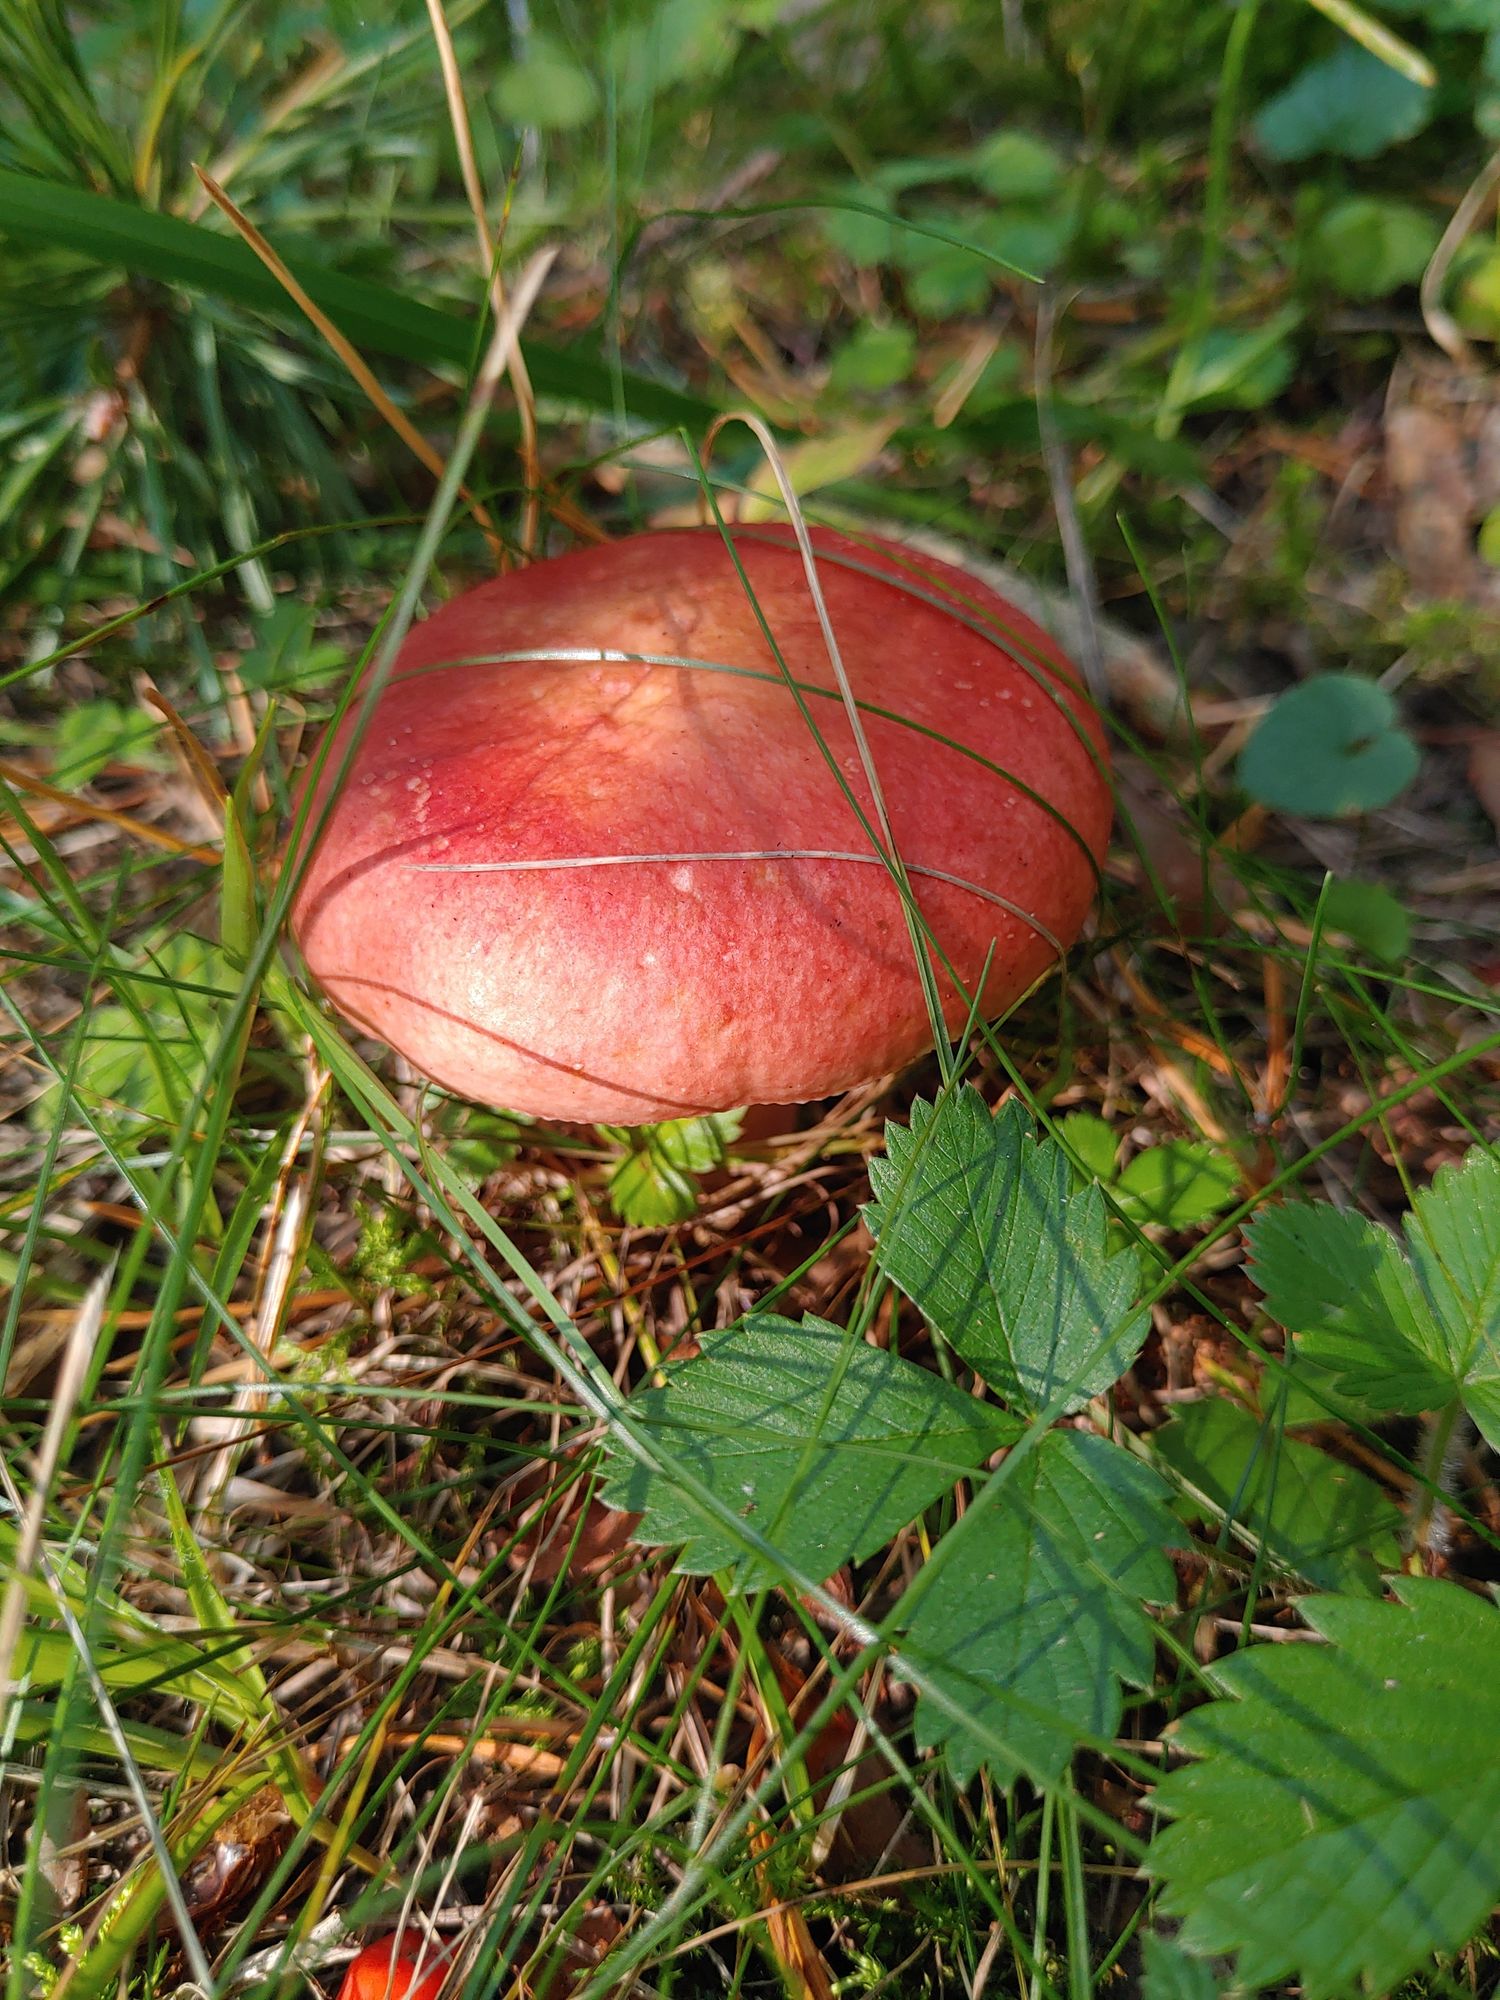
pixel 393 1969
pixel 591 861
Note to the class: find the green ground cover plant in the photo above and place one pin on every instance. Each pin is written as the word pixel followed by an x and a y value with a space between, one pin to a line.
pixel 1029 1528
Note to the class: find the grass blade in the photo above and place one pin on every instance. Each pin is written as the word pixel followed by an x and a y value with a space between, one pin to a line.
pixel 150 245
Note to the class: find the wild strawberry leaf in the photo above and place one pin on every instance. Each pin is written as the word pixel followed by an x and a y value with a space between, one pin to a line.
pixel 1167 1973
pixel 825 1445
pixel 1035 1611
pixel 1311 1513
pixel 983 1229
pixel 1454 1238
pixel 653 1184
pixel 1410 1332
pixel 1343 1822
pixel 1176 1184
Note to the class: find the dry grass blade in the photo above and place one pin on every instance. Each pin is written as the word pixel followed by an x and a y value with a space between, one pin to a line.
pixel 1373 35
pixel 1443 327
pixel 198 766
pixel 803 1966
pixel 75 1359
pixel 304 88
pixel 138 829
pixel 463 139
pixel 505 341
pixel 409 435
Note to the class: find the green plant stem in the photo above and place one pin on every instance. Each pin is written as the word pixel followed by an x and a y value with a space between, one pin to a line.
pixel 1215 212
pixel 1442 1430
pixel 1075 1895
pixel 1043 1883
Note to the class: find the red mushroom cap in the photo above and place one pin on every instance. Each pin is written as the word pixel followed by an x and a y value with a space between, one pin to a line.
pixel 626 889
pixel 388 1969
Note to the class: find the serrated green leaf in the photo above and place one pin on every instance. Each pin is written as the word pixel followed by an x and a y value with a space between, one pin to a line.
pixel 476 1142
pixel 1349 103
pixel 825 1445
pixel 1177 1184
pixel 1037 1613
pixel 1169 1974
pixel 1173 1185
pixel 984 1231
pixel 1454 1236
pixel 1344 1820
pixel 1313 1514
pixel 649 1192
pixel 1410 1334
pixel 1314 1395
pixel 1342 1285
pixel 1329 747
pixel 697 1144
pixel 286 652
pixel 653 1186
